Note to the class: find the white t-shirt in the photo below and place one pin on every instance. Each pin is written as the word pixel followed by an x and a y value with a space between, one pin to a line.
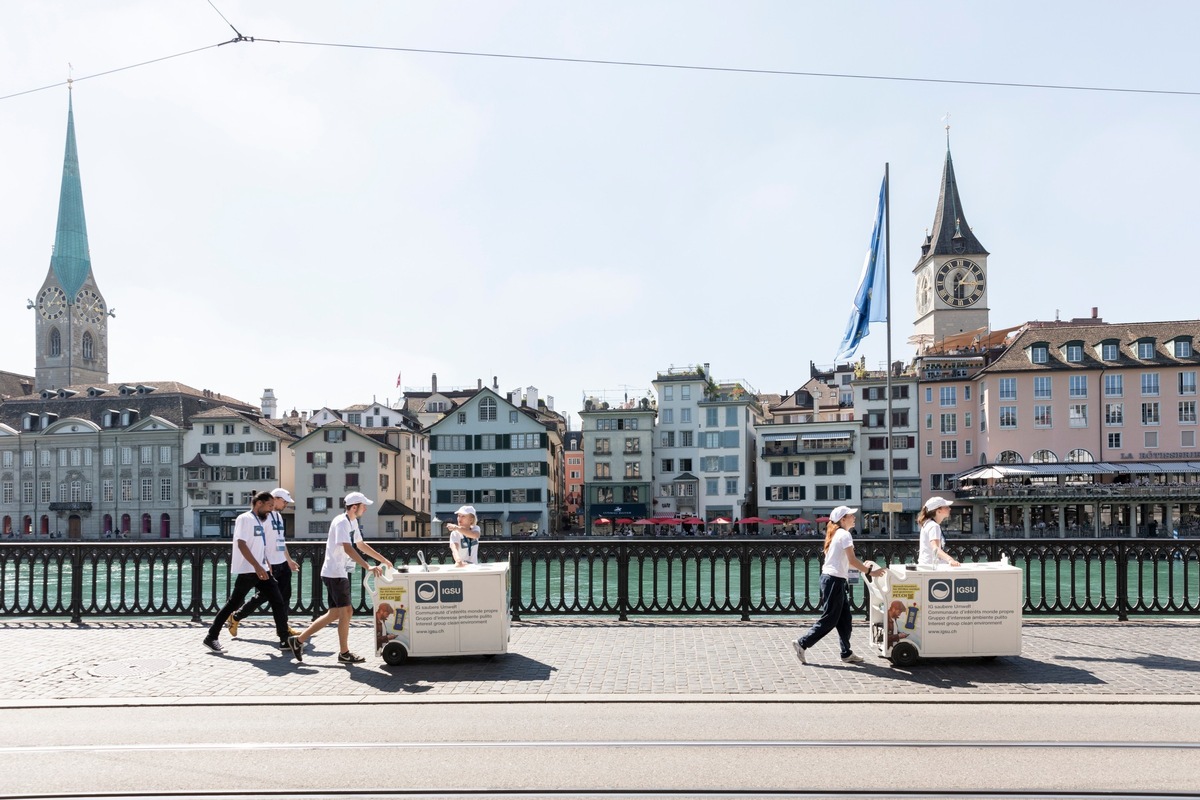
pixel 253 531
pixel 341 531
pixel 930 532
pixel 837 563
pixel 468 548
pixel 276 541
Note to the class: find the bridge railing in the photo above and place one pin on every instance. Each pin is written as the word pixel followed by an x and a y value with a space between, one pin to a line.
pixel 604 577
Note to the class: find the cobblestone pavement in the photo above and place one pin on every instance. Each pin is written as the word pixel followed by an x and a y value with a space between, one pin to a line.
pixel 132 662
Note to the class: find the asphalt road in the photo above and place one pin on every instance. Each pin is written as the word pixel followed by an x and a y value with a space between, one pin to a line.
pixel 681 747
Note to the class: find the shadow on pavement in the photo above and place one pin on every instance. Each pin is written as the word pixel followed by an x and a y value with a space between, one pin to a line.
pixel 968 673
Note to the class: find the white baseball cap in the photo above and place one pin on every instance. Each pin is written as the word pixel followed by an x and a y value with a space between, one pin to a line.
pixel 467 510
pixel 934 503
pixel 841 511
pixel 282 494
pixel 354 498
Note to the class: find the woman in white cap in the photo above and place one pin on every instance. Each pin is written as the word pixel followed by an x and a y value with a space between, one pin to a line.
pixel 464 537
pixel 835 578
pixel 930 518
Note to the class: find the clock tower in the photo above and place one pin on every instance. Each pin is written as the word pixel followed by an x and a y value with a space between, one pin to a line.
pixel 951 275
pixel 70 317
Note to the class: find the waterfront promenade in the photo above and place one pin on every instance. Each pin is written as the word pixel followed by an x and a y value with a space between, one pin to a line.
pixel 155 661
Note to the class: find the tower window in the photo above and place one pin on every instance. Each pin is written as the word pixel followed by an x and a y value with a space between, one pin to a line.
pixel 55 343
pixel 87 347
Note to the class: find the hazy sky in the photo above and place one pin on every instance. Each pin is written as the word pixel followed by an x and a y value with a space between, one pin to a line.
pixel 319 219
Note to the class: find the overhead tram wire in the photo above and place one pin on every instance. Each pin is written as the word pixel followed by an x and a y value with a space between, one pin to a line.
pixel 642 64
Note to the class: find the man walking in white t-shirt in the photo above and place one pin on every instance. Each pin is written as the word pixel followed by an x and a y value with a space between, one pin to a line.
pixel 250 569
pixel 282 565
pixel 340 558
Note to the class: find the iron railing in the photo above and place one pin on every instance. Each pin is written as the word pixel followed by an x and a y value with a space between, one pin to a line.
pixel 606 577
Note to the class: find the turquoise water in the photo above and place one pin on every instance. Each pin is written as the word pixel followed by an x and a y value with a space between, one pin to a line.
pixel 684 583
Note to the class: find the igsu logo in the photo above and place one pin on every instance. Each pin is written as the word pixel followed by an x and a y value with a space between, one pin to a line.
pixel 451 591
pixel 961 590
pixel 427 592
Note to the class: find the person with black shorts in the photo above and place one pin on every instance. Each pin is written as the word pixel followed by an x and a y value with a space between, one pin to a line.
pixel 340 559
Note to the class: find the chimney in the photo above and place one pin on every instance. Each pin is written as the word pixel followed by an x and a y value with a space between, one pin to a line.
pixel 478 384
pixel 1095 312
pixel 531 396
pixel 495 382
pixel 435 383
pixel 707 372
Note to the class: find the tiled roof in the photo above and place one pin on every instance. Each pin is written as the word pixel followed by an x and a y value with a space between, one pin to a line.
pixel 1127 335
pixel 172 401
pixel 14 385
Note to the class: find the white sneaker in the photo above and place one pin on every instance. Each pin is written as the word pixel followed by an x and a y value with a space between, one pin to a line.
pixel 799 651
pixel 852 659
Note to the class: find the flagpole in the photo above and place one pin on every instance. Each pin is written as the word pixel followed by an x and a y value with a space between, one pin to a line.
pixel 887 228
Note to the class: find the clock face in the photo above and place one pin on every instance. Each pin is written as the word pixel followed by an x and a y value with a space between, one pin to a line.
pixel 89 307
pixel 924 294
pixel 52 303
pixel 960 283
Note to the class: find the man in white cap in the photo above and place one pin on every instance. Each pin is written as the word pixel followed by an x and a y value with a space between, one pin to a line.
pixel 340 558
pixel 282 565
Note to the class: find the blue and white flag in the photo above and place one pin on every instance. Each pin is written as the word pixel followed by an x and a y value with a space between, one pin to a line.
pixel 871 300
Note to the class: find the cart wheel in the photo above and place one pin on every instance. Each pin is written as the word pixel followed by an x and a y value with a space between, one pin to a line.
pixel 986 659
pixel 904 654
pixel 394 654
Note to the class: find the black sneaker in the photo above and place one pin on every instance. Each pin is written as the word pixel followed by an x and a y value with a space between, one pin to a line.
pixel 285 644
pixel 350 658
pixel 214 645
pixel 297 647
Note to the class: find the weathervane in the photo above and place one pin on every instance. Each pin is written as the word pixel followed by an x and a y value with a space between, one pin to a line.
pixel 946 119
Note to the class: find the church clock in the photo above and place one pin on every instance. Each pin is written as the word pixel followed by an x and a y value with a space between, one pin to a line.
pixel 52 303
pixel 89 307
pixel 960 283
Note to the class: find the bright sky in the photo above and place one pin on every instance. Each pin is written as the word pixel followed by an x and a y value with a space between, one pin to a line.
pixel 319 219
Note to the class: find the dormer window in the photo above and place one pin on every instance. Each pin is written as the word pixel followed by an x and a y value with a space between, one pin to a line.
pixel 1183 348
pixel 1074 353
pixel 1039 354
pixel 1145 349
pixel 1110 351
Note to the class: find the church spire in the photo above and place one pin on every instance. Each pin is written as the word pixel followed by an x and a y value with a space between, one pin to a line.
pixel 951 235
pixel 71 262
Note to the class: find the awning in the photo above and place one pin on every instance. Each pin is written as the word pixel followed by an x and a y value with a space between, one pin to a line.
pixel 1002 471
pixel 490 515
pixel 809 437
pixel 524 516
pixel 778 437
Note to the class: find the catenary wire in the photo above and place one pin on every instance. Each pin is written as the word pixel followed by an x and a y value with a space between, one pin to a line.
pixel 642 64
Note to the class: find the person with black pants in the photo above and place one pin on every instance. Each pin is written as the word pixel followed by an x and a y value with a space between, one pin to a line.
pixel 282 565
pixel 250 569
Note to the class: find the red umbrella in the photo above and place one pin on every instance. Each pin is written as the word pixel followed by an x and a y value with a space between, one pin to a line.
pixel 602 521
pixel 624 521
pixel 822 519
pixel 666 520
pixel 720 521
pixel 693 521
pixel 643 521
pixel 750 521
pixel 799 521
pixel 772 521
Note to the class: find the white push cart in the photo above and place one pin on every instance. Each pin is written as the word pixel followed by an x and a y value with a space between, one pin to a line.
pixel 438 610
pixel 931 612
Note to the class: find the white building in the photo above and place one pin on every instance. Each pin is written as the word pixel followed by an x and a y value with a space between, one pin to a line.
pixel 871 409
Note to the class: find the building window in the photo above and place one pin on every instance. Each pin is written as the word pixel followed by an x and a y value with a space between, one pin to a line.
pixel 147 495
pixel 929 422
pixel 487 441
pixel 1077 415
pixel 1074 353
pixel 928 447
pixel 1145 350
pixel 164 490
pixel 55 343
pixel 525 441
pixel 711 486
pixel 1039 354
pixel 1114 385
pixel 1187 411
pixel 1042 416
pixel 1008 388
pixel 1187 383
pixel 88 348
pixel 668 465
pixel 512 416
pixel 1183 348
pixel 603 470
pixel 1150 384
pixel 1109 351
pixel 1187 438
pixel 685 416
pixel 461 418
pixel 731 486
pixel 487 409
pixel 1114 413
pixel 948 396
pixel 1043 457
pixel 668 417
pixel 1078 386
pixel 633 469
pixel 949 423
pixel 227 430
pixel 950 450
pixel 452 442
pixel 126 490
pixel 1008 417
pixel 1151 439
pixel 667 438
pixel 1150 414
pixel 1041 387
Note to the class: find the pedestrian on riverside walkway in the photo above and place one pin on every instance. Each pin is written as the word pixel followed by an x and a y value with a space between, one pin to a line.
pixel 930 518
pixel 464 537
pixel 250 569
pixel 282 565
pixel 340 558
pixel 835 595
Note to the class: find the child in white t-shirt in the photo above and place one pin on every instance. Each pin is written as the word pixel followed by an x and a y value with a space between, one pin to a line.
pixel 464 537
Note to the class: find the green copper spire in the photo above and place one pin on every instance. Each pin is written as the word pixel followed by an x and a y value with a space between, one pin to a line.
pixel 71 261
